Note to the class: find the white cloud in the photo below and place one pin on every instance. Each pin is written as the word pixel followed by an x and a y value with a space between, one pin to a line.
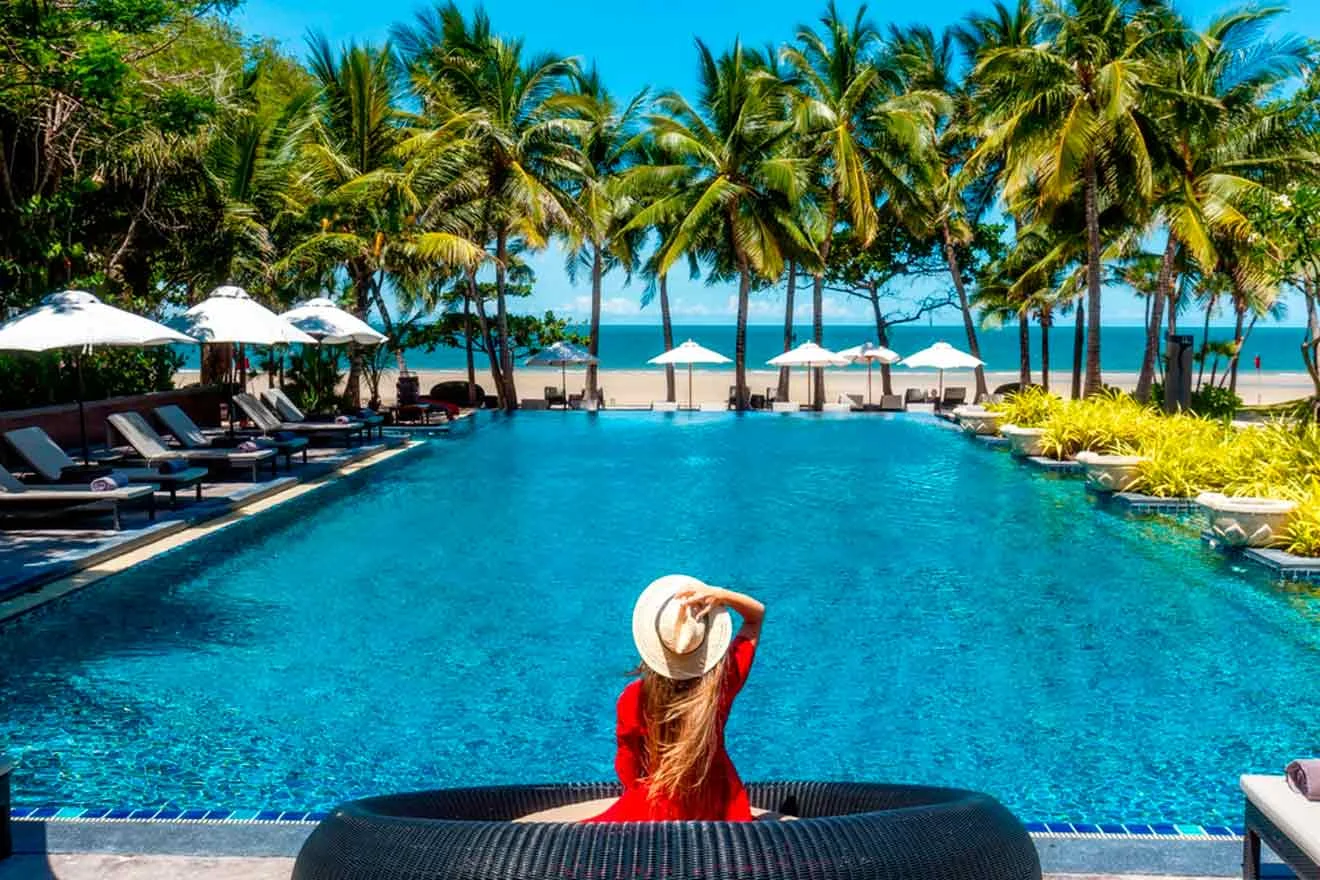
pixel 612 306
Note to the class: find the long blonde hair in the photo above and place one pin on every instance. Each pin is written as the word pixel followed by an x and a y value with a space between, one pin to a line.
pixel 682 731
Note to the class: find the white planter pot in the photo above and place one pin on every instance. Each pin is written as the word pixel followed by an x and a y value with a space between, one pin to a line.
pixel 1024 441
pixel 979 421
pixel 1247 521
pixel 1110 473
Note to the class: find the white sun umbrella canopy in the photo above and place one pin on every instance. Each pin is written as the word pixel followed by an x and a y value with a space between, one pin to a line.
pixel 327 322
pixel 77 320
pixel 808 355
pixel 942 356
pixel 689 353
pixel 230 315
pixel 870 353
pixel 563 355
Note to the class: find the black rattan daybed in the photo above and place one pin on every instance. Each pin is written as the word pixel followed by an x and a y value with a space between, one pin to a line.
pixel 845 830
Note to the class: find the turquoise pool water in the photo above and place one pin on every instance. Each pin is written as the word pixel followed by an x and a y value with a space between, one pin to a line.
pixel 938 614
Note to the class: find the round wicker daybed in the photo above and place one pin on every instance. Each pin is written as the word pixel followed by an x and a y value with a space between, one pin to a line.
pixel 844 830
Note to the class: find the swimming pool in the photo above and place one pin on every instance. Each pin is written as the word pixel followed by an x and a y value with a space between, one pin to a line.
pixel 937 613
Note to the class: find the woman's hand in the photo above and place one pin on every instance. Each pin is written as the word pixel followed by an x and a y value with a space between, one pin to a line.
pixel 700 601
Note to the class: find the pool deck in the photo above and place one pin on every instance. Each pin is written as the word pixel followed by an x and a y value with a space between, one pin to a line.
pixel 116 867
pixel 47 560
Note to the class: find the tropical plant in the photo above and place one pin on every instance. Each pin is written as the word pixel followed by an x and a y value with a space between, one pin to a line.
pixel 313 378
pixel 1105 422
pixel 1030 407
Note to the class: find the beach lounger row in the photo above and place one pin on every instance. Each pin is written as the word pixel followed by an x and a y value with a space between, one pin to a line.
pixel 15 494
pixel 269 422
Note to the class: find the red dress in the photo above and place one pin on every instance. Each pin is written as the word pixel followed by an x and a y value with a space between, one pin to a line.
pixel 722 796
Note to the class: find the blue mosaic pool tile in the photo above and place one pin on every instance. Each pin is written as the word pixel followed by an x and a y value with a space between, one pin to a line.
pixel 144 814
pixel 1083 828
pixel 1218 831
pixel 1190 830
pixel 268 815
pixel 217 815
pixel 317 817
pixel 1239 830
pixel 1112 829
pixel 94 813
pixel 20 812
pixel 1036 828
pixel 192 815
pixel 1058 827
pixel 242 815
pixel 68 813
pixel 43 812
pixel 292 816
pixel 1138 828
pixel 1162 828
pixel 118 814
pixel 169 814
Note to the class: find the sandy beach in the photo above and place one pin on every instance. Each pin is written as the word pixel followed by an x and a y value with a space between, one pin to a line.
pixel 637 388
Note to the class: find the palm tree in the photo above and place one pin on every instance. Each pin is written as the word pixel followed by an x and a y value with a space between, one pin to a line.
pixel 731 186
pixel 1217 148
pixel 606 137
pixel 1070 107
pixel 924 63
pixel 522 146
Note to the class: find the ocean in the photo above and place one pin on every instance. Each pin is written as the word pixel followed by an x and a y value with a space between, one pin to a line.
pixel 630 346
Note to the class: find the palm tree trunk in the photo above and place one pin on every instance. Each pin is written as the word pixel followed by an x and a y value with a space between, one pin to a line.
pixel 1093 380
pixel 881 335
pixel 667 327
pixel 1024 348
pixel 593 340
pixel 467 344
pixel 1046 320
pixel 1205 340
pixel 781 391
pixel 818 336
pixel 1146 378
pixel 951 258
pixel 385 318
pixel 509 394
pixel 1079 344
pixel 1311 344
pixel 1240 307
pixel 740 337
pixel 496 373
pixel 361 302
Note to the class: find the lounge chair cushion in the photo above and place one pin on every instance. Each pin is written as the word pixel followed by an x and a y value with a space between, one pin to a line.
pixel 1294 815
pixel 38 450
pixel 283 405
pixel 184 429
pixel 141 436
pixel 12 490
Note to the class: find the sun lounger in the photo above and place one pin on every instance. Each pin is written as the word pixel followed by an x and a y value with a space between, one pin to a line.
pixel 286 409
pixel 190 436
pixel 955 396
pixel 554 396
pixel 53 464
pixel 891 403
pixel 1284 821
pixel 152 448
pixel 268 422
pixel 837 407
pixel 533 403
pixel 14 494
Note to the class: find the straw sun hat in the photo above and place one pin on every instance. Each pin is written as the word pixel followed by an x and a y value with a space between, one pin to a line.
pixel 676 645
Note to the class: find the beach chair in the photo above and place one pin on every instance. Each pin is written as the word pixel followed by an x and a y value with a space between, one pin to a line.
pixel 152 449
pixel 534 403
pixel 554 396
pixel 268 422
pixel 191 437
pixel 771 395
pixel 285 408
pixel 15 494
pixel 53 464
pixel 953 396
pixel 858 401
pixel 1283 820
pixel 914 395
pixel 891 403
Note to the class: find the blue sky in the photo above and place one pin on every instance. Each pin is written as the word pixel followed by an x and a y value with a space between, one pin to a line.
pixel 649 43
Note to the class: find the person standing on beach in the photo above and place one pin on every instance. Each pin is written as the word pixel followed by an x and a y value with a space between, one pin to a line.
pixel 671 757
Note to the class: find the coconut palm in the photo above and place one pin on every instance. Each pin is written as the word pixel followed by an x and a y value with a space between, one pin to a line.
pixel 522 146
pixel 731 185
pixel 1070 107
pixel 606 136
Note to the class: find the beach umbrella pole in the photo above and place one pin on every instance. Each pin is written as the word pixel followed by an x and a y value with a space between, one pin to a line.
pixel 563 383
pixel 689 386
pixel 82 413
pixel 868 381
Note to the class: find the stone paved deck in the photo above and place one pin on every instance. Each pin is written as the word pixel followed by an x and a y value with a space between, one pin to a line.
pixel 112 867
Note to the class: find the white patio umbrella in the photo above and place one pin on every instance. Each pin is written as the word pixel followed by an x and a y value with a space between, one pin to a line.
pixel 330 324
pixel 871 353
pixel 689 353
pixel 808 355
pixel 229 315
pixel 942 356
pixel 563 355
pixel 77 320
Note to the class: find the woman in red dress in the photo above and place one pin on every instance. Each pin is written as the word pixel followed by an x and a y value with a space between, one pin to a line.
pixel 671 758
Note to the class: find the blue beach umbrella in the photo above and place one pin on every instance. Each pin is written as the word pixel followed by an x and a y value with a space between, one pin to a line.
pixel 562 355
